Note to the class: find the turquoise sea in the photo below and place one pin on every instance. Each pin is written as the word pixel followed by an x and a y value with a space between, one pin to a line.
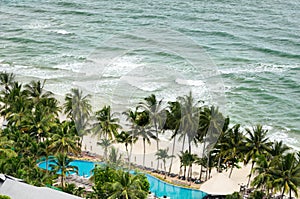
pixel 121 51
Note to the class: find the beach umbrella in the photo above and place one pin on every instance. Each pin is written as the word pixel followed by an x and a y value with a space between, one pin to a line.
pixel 220 184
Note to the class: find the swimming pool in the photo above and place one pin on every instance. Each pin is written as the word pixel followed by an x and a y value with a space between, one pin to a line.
pixel 161 188
pixel 158 187
pixel 84 167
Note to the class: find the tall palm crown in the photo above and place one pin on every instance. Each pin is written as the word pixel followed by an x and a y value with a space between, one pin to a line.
pixel 76 104
pixel 17 104
pixel 65 139
pixel 6 80
pixel 107 125
pixel 140 127
pixel 287 174
pixel 126 139
pixel 189 119
pixel 105 144
pixel 163 155
pixel 264 179
pixel 157 115
pixel 127 186
pixel 5 148
pixel 36 92
pixel 78 108
pixel 173 123
pixel 233 144
pixel 257 143
pixel 63 164
pixel 211 126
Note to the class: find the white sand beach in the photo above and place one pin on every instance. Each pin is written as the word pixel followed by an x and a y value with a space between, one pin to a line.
pixel 239 176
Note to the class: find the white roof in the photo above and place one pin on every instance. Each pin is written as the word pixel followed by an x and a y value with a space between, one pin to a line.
pixel 220 184
pixel 20 190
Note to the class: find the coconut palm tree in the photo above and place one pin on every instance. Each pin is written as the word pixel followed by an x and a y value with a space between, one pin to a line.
pixel 233 146
pixel 126 186
pixel 107 125
pixel 173 123
pixel 78 108
pixel 219 148
pixel 36 91
pixel 126 138
pixel 278 149
pixel 184 162
pixel 264 178
pixel 115 159
pixel 139 122
pixel 5 148
pixel 256 144
pixel 157 115
pixel 163 155
pixel 287 175
pixel 7 81
pixel 105 144
pixel 17 105
pixel 143 131
pixel 189 125
pixel 65 140
pixel 44 150
pixel 62 164
pixel 211 126
pixel 39 123
pixel 77 105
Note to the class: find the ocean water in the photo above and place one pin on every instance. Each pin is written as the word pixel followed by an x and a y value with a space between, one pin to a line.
pixel 241 55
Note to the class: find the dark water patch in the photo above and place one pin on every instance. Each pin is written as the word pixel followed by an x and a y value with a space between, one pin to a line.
pixel 276 52
pixel 144 16
pixel 22 40
pixel 69 4
pixel 75 12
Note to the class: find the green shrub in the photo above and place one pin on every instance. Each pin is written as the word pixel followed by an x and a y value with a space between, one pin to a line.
pixel 257 195
pixel 235 195
pixel 4 197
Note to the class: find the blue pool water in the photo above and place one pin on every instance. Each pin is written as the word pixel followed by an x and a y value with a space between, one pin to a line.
pixel 158 187
pixel 161 188
pixel 84 167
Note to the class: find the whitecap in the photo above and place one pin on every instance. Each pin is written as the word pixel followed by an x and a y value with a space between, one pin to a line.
pixel 62 32
pixel 258 68
pixel 74 67
pixel 189 82
pixel 36 26
pixel 121 66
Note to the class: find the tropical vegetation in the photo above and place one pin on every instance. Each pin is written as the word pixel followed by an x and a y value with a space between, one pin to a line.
pixel 32 131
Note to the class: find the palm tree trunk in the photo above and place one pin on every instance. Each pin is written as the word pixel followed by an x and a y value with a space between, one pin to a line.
pixel 144 151
pixel 173 150
pixel 129 157
pixel 165 168
pixel 62 181
pixel 250 173
pixel 47 163
pixel 157 143
pixel 190 146
pixel 283 192
pixel 231 169
pixel 200 175
pixel 207 168
pixel 219 165
pixel 127 153
pixel 190 174
pixel 183 143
